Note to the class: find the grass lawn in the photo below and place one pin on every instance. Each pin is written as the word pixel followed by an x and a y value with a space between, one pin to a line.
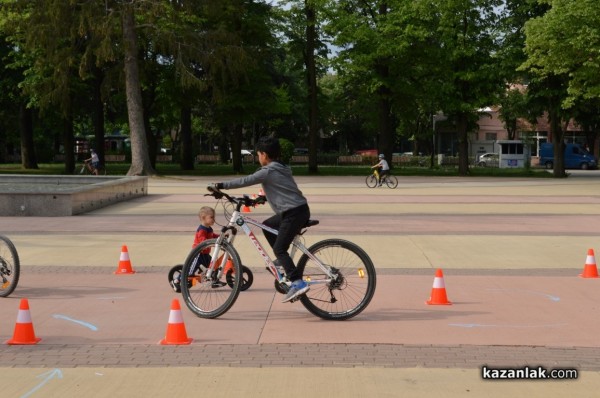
pixel 300 170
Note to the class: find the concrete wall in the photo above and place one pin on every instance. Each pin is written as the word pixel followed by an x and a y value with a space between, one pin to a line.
pixel 53 196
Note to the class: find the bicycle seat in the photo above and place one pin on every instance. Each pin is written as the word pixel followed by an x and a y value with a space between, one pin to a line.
pixel 311 223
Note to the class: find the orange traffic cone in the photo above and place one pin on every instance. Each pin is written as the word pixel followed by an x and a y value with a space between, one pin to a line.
pixel 124 263
pixel 24 333
pixel 438 292
pixel 590 270
pixel 176 333
pixel 246 209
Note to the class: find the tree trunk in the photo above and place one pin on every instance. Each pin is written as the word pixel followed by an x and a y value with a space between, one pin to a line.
pixel 224 144
pixel 311 76
pixel 140 160
pixel 185 136
pixel 557 135
pixel 236 148
pixel 386 142
pixel 150 139
pixel 69 144
pixel 463 144
pixel 28 158
pixel 98 116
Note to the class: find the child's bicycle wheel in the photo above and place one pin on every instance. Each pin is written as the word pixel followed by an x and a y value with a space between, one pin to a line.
pixel 174 277
pixel 10 267
pixel 247 278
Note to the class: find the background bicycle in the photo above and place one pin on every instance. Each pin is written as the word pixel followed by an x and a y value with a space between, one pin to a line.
pixel 372 180
pixel 341 275
pixel 10 267
pixel 87 169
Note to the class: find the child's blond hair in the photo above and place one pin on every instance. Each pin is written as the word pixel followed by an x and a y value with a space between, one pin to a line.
pixel 204 210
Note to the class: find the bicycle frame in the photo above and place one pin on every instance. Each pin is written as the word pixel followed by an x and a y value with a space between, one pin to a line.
pixel 229 233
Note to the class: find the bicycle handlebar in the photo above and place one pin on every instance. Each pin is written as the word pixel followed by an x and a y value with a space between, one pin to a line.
pixel 238 201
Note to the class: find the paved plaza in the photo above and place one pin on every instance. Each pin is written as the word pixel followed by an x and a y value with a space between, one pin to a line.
pixel 511 250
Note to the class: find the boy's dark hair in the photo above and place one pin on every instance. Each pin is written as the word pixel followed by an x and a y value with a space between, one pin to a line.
pixel 270 146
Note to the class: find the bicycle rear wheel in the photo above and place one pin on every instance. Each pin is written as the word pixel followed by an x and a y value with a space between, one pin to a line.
pixel 353 288
pixel 391 181
pixel 10 267
pixel 371 181
pixel 214 296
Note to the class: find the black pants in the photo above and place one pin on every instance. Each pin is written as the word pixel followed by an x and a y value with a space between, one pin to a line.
pixel 288 224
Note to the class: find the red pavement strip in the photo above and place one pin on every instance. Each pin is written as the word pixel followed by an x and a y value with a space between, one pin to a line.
pixel 493 318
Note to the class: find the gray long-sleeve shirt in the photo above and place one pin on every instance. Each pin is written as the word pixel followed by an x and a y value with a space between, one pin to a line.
pixel 278 184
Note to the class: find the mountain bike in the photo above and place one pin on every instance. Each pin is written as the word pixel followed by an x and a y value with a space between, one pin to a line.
pixel 372 180
pixel 340 274
pixel 10 267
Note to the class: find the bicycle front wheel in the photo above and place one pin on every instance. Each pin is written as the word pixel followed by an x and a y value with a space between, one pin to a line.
pixel 353 287
pixel 391 181
pixel 210 297
pixel 10 267
pixel 371 181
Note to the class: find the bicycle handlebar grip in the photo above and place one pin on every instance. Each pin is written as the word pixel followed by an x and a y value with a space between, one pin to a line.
pixel 214 190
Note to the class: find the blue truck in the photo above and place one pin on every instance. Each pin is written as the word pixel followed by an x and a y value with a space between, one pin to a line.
pixel 576 157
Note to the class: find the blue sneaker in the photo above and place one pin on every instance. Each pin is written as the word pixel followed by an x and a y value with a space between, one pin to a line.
pixel 298 288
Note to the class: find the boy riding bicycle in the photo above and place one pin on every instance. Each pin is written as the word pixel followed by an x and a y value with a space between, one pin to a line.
pixel 290 207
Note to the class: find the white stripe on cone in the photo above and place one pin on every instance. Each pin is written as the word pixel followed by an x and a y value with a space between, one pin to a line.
pixel 438 283
pixel 124 256
pixel 175 316
pixel 590 260
pixel 24 316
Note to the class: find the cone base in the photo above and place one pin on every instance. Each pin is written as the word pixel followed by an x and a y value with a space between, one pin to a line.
pixel 121 272
pixel 16 342
pixel 588 276
pixel 430 302
pixel 185 342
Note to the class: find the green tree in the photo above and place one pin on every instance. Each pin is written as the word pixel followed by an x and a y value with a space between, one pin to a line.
pixel 561 62
pixel 473 79
pixel 564 41
pixel 513 106
pixel 305 39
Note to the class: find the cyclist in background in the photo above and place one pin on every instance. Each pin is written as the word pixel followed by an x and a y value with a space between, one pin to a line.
pixel 93 163
pixel 383 168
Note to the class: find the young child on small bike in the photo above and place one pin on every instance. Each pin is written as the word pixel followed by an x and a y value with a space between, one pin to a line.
pixel 287 201
pixel 383 168
pixel 204 232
